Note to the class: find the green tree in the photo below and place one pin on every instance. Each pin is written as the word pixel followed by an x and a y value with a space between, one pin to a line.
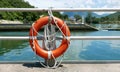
pixel 89 18
pixel 65 17
pixel 118 17
pixel 77 17
pixel 95 20
pixel 26 17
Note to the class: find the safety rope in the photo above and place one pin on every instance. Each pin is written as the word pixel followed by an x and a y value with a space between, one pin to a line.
pixel 48 40
pixel 34 49
pixel 60 28
pixel 46 66
pixel 51 17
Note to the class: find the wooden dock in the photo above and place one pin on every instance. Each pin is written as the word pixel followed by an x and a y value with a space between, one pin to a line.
pixel 27 27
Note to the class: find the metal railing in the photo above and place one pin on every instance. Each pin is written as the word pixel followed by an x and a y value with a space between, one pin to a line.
pixel 60 37
pixel 61 9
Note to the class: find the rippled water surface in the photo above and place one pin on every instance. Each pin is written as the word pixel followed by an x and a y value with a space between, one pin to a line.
pixel 19 50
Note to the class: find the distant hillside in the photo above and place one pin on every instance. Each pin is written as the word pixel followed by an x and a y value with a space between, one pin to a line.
pixel 115 16
pixel 106 14
pixel 71 14
pixel 14 4
pixel 25 17
pixel 111 18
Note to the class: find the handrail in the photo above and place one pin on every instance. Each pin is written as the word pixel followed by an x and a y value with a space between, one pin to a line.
pixel 60 37
pixel 61 9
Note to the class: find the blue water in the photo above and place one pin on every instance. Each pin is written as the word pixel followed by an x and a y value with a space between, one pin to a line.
pixel 19 50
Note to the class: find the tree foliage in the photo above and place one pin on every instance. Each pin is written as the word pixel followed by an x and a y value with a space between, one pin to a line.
pixel 77 17
pixel 112 18
pixel 26 17
pixel 90 19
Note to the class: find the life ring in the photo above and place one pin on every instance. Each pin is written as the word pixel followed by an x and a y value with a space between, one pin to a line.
pixel 39 50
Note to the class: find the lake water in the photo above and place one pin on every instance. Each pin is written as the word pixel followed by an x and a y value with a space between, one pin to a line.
pixel 106 26
pixel 19 50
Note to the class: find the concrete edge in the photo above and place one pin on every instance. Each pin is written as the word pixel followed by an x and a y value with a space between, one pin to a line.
pixel 66 62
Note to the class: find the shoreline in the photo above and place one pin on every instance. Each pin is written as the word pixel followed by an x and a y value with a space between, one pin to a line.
pixel 22 27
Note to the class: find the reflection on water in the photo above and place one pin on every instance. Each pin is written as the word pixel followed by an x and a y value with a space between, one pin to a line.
pixel 12 49
pixel 8 45
pixel 106 26
pixel 101 50
pixel 19 50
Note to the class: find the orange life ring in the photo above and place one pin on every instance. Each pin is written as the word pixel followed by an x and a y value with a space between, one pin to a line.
pixel 39 50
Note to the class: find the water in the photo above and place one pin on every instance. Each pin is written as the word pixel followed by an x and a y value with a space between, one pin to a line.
pixel 106 26
pixel 19 50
